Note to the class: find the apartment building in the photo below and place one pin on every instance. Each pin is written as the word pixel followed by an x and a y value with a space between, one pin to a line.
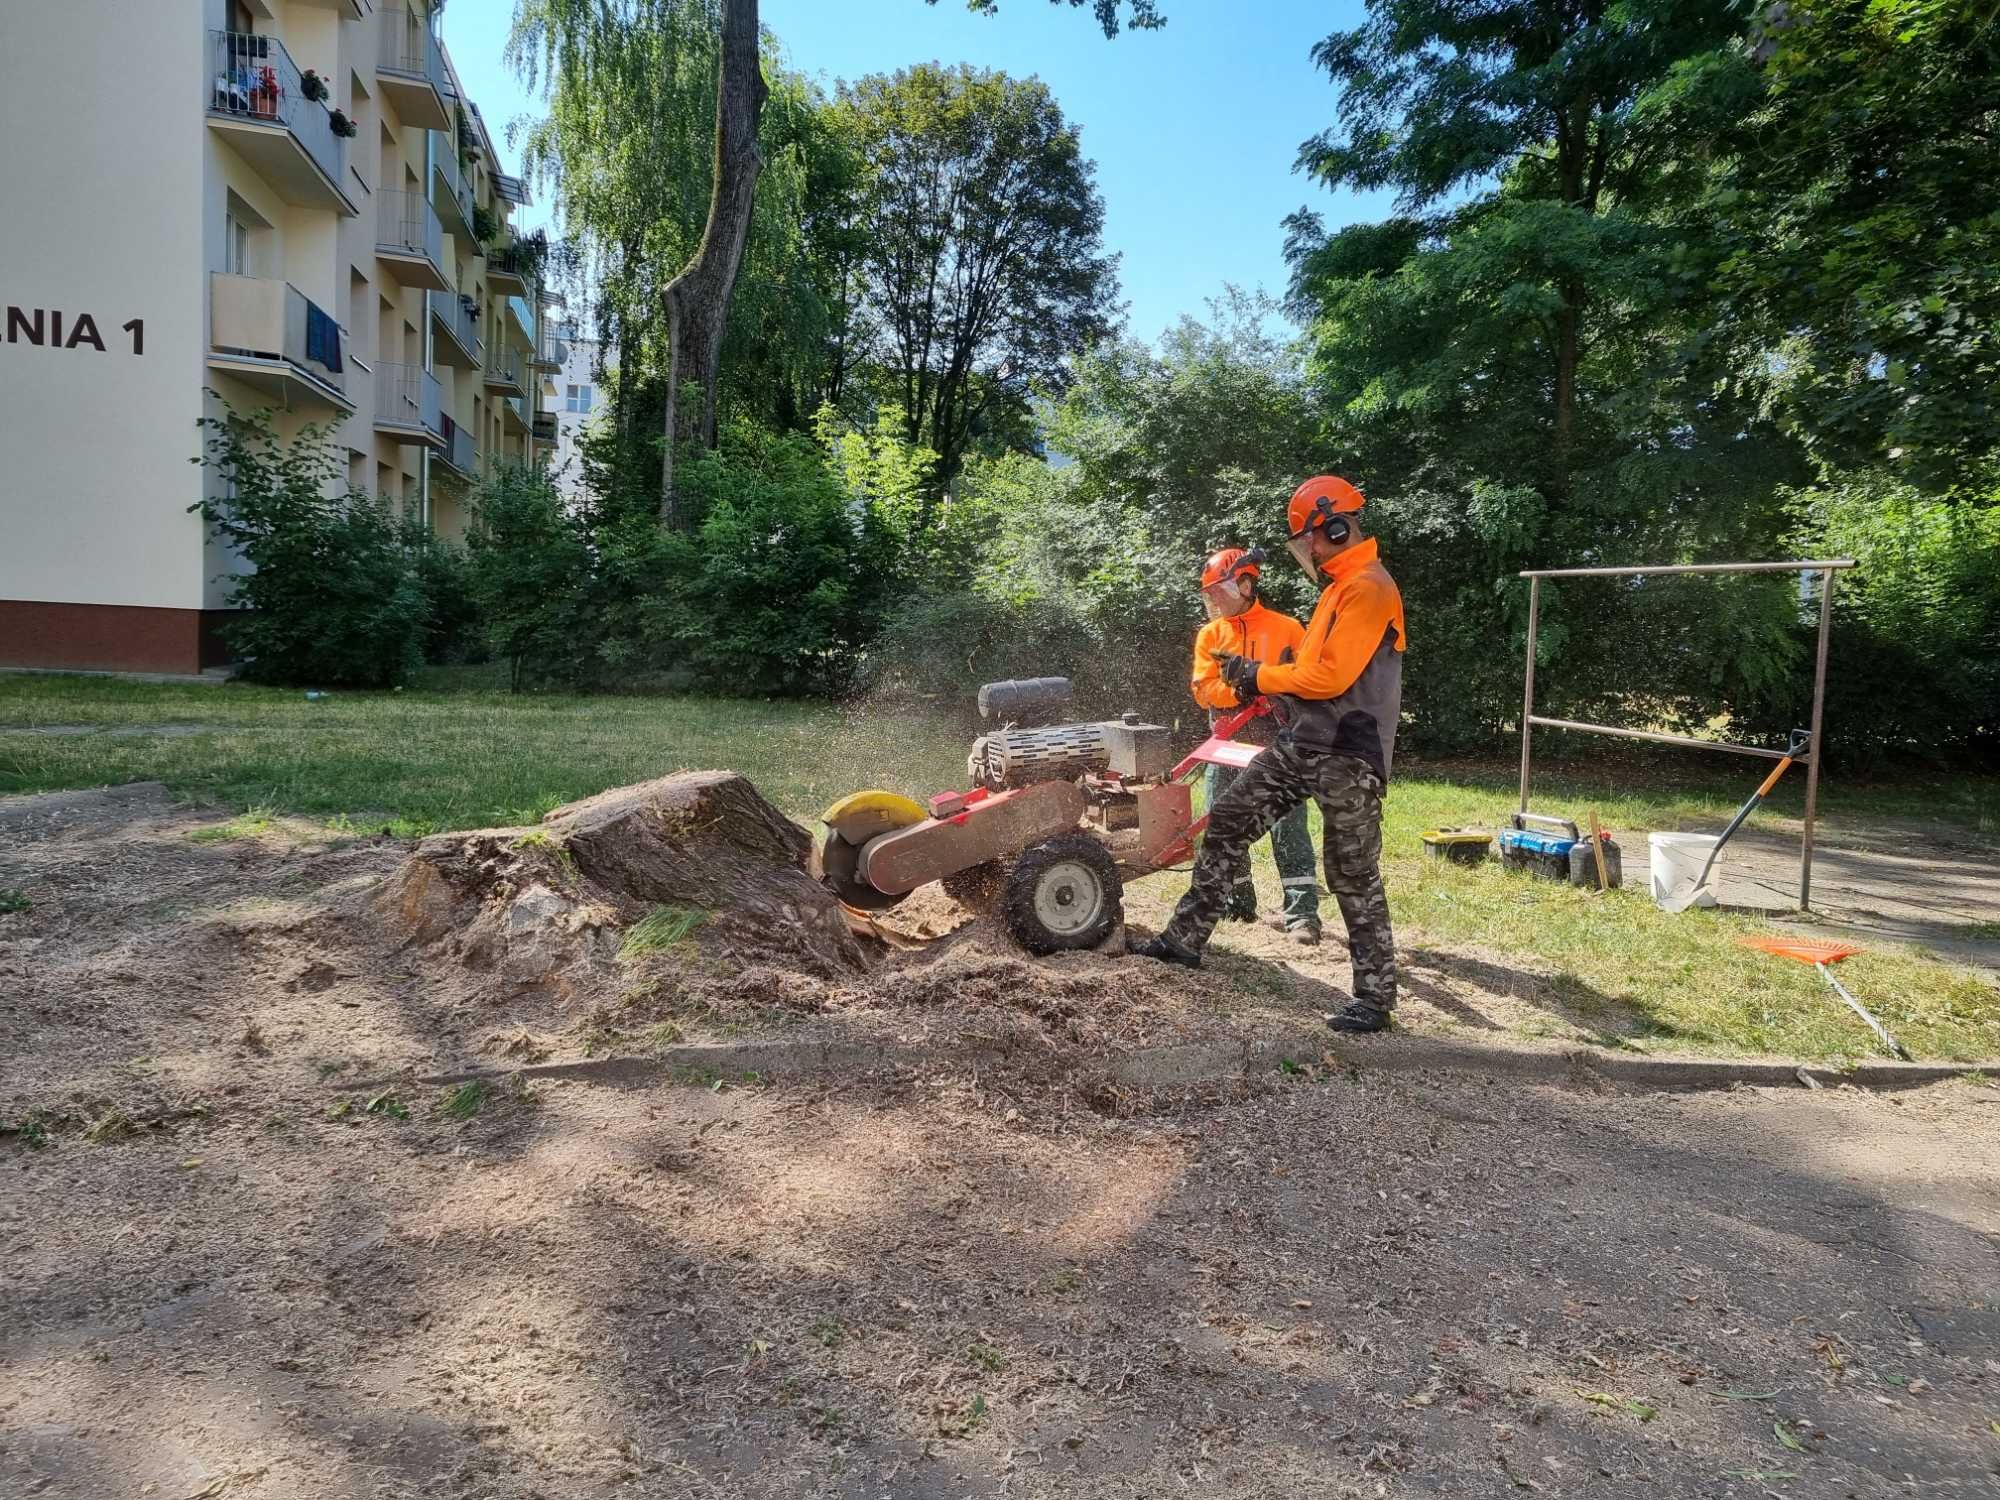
pixel 575 399
pixel 286 204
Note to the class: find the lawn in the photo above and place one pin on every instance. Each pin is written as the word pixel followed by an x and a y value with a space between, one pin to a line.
pixel 456 755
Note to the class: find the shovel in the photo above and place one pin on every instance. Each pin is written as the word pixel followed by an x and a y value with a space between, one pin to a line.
pixel 1686 896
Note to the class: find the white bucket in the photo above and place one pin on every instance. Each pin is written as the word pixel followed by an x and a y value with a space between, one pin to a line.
pixel 1676 864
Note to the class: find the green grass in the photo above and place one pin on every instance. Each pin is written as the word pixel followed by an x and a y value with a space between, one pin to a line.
pixel 419 762
pixel 1615 970
pixel 661 930
pixel 459 754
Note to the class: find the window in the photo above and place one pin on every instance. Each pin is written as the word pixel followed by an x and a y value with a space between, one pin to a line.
pixel 235 246
pixel 576 398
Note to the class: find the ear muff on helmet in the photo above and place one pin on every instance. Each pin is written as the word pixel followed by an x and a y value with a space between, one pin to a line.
pixel 1323 503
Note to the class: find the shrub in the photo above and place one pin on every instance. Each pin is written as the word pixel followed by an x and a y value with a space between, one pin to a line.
pixel 527 572
pixel 335 596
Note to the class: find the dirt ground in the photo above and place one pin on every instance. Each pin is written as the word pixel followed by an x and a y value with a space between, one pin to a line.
pixel 247 1256
pixel 1888 880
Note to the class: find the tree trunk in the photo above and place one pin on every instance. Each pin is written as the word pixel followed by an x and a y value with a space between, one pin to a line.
pixel 697 300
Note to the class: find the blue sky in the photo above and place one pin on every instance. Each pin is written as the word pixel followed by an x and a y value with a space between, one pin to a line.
pixel 1193 128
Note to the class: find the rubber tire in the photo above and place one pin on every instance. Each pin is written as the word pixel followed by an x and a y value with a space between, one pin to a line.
pixel 1018 903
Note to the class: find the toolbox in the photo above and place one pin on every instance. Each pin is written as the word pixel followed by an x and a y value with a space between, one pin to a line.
pixel 1538 852
pixel 1462 846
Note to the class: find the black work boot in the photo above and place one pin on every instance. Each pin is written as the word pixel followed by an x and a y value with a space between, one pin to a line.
pixel 1360 1018
pixel 1165 952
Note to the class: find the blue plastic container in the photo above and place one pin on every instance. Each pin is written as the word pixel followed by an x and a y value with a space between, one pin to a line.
pixel 1538 852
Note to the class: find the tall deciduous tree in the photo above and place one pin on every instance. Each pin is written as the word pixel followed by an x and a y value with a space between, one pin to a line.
pixel 1441 98
pixel 985 269
pixel 1859 247
pixel 697 300
pixel 1143 15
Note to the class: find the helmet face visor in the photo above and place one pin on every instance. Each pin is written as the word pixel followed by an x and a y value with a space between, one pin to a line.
pixel 1224 599
pixel 1300 547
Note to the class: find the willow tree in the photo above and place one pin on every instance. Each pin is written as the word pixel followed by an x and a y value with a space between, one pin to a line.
pixel 638 92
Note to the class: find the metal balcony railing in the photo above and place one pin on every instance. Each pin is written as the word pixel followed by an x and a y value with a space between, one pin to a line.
pixel 409 397
pixel 444 161
pixel 520 260
pixel 254 78
pixel 503 366
pixel 458 449
pixel 265 319
pixel 409 226
pixel 410 48
pixel 452 310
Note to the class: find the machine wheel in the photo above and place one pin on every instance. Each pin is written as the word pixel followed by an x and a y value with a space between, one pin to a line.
pixel 1063 895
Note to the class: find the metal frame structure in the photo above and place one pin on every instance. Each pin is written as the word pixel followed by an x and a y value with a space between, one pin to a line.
pixel 1826 568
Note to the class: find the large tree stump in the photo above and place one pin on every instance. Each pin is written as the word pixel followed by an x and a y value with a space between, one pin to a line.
pixel 548 905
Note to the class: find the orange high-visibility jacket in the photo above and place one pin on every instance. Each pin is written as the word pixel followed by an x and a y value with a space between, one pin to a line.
pixel 1345 691
pixel 1259 633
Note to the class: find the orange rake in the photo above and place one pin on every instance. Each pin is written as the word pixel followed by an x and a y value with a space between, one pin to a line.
pixel 1819 953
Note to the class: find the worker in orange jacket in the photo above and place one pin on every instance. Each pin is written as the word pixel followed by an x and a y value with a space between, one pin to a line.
pixel 1340 702
pixel 1241 624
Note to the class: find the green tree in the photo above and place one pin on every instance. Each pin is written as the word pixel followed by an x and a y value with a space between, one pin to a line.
pixel 1859 244
pixel 1144 14
pixel 1518 369
pixel 334 595
pixel 985 269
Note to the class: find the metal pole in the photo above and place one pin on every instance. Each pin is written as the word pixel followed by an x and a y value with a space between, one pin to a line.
pixel 1528 692
pixel 1818 746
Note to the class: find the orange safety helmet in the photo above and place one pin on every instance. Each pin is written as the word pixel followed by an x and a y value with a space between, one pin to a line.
pixel 1229 564
pixel 1318 501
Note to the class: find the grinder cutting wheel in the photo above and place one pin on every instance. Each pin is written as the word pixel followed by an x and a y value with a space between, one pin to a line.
pixel 1057 818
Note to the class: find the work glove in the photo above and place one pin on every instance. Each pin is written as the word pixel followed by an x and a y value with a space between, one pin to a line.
pixel 1240 672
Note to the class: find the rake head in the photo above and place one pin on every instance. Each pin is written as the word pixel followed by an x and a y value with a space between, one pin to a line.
pixel 1802 950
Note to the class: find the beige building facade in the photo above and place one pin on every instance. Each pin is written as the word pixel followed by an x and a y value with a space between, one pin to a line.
pixel 286 204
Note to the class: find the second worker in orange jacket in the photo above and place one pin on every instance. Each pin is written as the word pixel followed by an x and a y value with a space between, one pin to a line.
pixel 1240 624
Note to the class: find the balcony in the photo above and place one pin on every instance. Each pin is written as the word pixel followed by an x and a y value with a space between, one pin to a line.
pixel 514 416
pixel 409 404
pixel 457 343
pixel 512 269
pixel 257 101
pixel 457 451
pixel 545 427
pixel 411 69
pixel 451 194
pixel 268 334
pixel 503 372
pixel 410 240
pixel 551 353
pixel 513 189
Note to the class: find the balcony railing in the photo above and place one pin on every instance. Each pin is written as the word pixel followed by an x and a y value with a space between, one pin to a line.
pixel 458 450
pixel 545 427
pixel 409 226
pixel 410 47
pixel 519 262
pixel 551 352
pixel 444 161
pixel 451 309
pixel 253 318
pixel 503 367
pixel 253 78
pixel 409 397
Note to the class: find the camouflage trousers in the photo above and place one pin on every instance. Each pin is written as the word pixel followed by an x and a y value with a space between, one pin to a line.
pixel 1349 795
pixel 1291 848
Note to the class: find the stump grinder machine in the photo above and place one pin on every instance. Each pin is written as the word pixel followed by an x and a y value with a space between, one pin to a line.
pixel 1057 817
